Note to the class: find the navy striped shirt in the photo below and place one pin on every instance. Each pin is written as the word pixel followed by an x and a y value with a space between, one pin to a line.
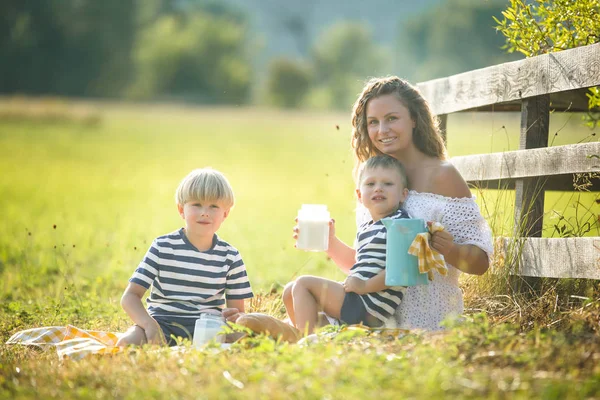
pixel 187 282
pixel 370 261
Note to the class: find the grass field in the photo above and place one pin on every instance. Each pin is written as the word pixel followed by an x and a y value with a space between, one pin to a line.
pixel 82 202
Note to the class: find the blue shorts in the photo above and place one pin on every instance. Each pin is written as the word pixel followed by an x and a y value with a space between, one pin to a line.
pixel 354 312
pixel 179 327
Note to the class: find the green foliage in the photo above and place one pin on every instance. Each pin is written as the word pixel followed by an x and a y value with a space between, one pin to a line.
pixel 288 82
pixel 544 26
pixel 197 56
pixel 343 57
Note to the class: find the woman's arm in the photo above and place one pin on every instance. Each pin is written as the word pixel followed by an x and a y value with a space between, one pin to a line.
pixel 466 257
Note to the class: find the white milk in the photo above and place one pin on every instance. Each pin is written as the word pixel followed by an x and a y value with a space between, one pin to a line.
pixel 207 328
pixel 313 227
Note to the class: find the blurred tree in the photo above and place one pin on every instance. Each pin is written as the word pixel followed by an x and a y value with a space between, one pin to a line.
pixel 344 56
pixel 194 56
pixel 454 37
pixel 86 48
pixel 288 82
pixel 66 47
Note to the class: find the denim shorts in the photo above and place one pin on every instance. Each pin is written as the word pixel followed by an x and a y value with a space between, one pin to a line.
pixel 176 327
pixel 354 312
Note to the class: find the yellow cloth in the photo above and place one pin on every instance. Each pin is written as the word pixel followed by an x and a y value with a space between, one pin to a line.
pixel 69 341
pixel 428 258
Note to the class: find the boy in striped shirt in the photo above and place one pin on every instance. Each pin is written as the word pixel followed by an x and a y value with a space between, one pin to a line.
pixel 190 271
pixel 363 297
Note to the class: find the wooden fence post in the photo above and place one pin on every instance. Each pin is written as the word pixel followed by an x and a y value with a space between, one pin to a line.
pixel 529 202
pixel 529 192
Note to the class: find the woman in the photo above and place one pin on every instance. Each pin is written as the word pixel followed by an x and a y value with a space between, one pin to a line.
pixel 391 117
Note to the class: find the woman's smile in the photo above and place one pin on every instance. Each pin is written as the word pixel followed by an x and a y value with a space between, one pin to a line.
pixel 387 140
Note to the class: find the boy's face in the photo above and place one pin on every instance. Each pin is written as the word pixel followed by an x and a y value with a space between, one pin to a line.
pixel 381 191
pixel 202 219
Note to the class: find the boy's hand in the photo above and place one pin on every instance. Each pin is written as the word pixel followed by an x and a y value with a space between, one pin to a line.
pixel 331 231
pixel 231 314
pixel 356 285
pixel 154 334
pixel 295 230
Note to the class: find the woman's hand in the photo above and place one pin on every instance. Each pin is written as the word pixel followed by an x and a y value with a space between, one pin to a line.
pixel 442 241
pixel 354 284
pixel 231 314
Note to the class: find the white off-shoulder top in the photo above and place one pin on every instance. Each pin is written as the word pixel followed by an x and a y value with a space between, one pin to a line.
pixel 426 306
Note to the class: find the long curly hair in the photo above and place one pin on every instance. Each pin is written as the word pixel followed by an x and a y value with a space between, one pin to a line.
pixel 426 134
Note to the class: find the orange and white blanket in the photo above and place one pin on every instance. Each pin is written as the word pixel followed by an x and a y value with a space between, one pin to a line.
pixel 69 341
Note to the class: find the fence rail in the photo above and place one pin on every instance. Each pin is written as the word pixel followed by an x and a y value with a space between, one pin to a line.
pixel 535 86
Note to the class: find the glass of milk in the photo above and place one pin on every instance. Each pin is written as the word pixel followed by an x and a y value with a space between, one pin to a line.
pixel 207 328
pixel 313 227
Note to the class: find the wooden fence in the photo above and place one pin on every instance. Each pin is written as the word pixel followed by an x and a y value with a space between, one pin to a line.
pixel 534 86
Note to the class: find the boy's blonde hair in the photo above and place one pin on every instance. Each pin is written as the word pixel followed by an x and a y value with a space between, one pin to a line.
pixel 205 185
pixel 383 161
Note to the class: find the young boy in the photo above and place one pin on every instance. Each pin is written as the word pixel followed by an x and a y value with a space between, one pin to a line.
pixel 363 296
pixel 191 271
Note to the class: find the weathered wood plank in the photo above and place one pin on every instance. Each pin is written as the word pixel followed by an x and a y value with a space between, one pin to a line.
pixel 554 257
pixel 558 183
pixel 569 101
pixel 545 74
pixel 568 159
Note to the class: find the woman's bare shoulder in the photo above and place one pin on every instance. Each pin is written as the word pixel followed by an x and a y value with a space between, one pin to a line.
pixel 448 182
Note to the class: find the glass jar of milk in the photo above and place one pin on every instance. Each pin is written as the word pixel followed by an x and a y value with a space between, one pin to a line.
pixel 313 227
pixel 208 327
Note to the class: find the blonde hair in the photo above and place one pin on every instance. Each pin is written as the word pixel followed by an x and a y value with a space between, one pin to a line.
pixel 205 185
pixel 383 161
pixel 426 135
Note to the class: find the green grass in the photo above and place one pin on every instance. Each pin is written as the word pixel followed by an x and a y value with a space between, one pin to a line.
pixel 82 202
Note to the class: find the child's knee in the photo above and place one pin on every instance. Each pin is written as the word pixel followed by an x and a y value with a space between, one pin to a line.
pixel 287 291
pixel 302 284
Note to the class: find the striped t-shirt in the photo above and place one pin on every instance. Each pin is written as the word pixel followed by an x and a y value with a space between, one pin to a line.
pixel 370 261
pixel 185 281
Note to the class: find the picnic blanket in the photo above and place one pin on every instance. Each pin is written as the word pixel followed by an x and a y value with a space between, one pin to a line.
pixel 69 341
pixel 74 343
pixel 428 258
